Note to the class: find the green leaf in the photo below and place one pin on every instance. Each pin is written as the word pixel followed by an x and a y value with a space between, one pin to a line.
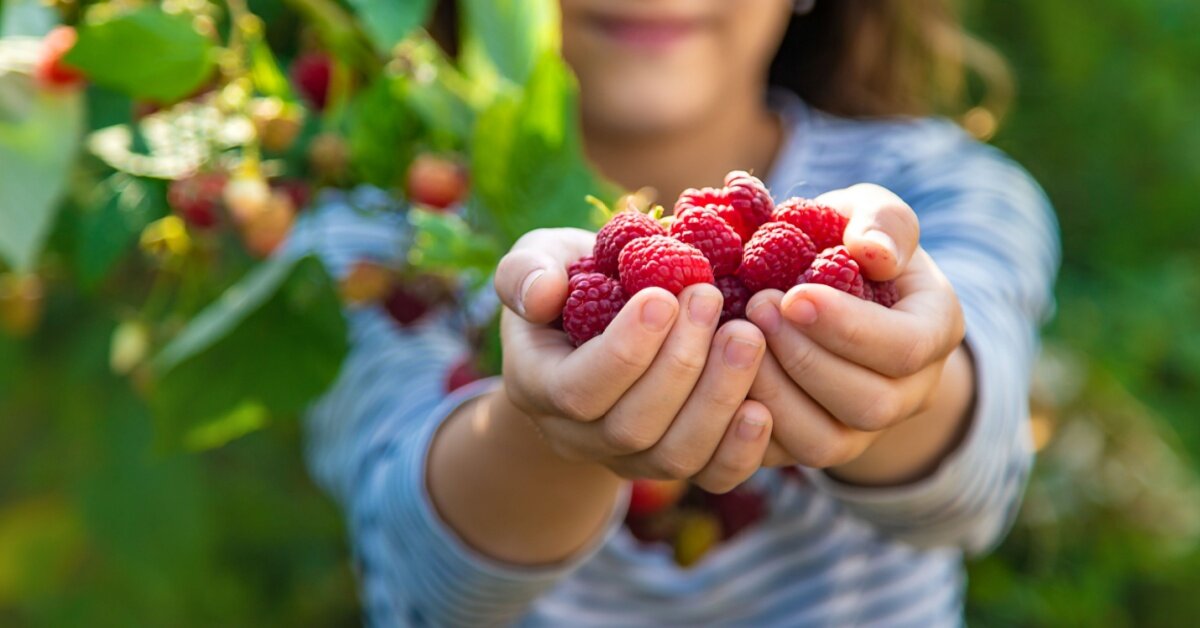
pixel 267 76
pixel 507 37
pixel 144 53
pixel 244 419
pixel 277 339
pixel 122 207
pixel 40 132
pixel 389 21
pixel 446 243
pixel 382 132
pixel 528 168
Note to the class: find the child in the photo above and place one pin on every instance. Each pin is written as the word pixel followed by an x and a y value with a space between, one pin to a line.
pixel 502 503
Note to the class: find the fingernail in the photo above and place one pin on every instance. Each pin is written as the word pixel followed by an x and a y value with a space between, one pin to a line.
pixel 750 428
pixel 656 314
pixel 526 286
pixel 883 241
pixel 802 312
pixel 703 308
pixel 765 315
pixel 741 353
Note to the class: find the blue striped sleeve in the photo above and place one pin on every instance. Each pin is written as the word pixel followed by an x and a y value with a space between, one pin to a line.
pixel 369 435
pixel 992 232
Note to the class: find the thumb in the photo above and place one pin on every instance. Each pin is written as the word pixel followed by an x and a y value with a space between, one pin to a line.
pixel 531 280
pixel 883 231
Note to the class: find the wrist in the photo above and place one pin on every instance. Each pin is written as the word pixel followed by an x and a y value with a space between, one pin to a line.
pixel 498 484
pixel 914 449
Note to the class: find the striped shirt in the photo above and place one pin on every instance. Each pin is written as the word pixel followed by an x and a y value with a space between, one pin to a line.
pixel 828 554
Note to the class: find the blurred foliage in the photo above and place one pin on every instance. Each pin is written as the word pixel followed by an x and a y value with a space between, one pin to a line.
pixel 1106 120
pixel 105 522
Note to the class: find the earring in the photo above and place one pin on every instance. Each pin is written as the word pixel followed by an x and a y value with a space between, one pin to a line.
pixel 803 7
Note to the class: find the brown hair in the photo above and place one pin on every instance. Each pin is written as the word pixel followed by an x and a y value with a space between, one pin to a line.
pixel 872 58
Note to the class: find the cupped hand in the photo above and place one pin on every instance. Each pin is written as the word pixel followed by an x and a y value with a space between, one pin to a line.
pixel 842 370
pixel 662 393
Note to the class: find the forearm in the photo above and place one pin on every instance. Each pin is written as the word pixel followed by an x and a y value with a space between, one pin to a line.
pixel 497 484
pixel 913 449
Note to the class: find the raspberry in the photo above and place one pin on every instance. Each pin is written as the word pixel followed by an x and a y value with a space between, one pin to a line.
pixel 593 301
pixel 824 225
pixel 747 195
pixel 586 264
pixel 197 198
pixel 881 292
pixel 622 228
pixel 664 262
pixel 310 74
pixel 692 197
pixel 834 267
pixel 410 300
pixel 702 228
pixel 736 296
pixel 462 373
pixel 51 71
pixel 436 182
pixel 775 256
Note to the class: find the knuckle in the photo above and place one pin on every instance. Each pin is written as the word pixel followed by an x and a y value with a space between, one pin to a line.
pixel 725 397
pixel 619 437
pixel 627 356
pixel 916 355
pixel 571 403
pixel 676 466
pixel 828 453
pixel 732 470
pixel 685 361
pixel 799 362
pixel 881 413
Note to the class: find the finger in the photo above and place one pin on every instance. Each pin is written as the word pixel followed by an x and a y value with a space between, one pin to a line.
pixel 809 435
pixel 883 230
pixel 531 279
pixel 590 380
pixel 740 453
pixel 645 412
pixel 693 436
pixel 855 396
pixel 922 328
pixel 777 456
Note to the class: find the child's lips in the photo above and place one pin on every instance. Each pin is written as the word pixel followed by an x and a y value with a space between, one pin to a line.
pixel 647 33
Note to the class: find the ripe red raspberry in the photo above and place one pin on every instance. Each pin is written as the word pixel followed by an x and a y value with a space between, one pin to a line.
pixel 834 267
pixel 736 296
pixel 881 292
pixel 692 197
pixel 409 300
pixel 462 373
pixel 197 198
pixel 702 228
pixel 824 225
pixel 664 262
pixel 622 228
pixel 747 195
pixel 585 264
pixel 593 301
pixel 436 182
pixel 51 72
pixel 775 257
pixel 310 74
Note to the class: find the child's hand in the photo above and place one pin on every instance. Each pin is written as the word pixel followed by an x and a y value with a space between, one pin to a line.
pixel 842 370
pixel 657 395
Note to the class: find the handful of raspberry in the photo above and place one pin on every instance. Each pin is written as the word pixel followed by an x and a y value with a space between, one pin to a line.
pixel 734 237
